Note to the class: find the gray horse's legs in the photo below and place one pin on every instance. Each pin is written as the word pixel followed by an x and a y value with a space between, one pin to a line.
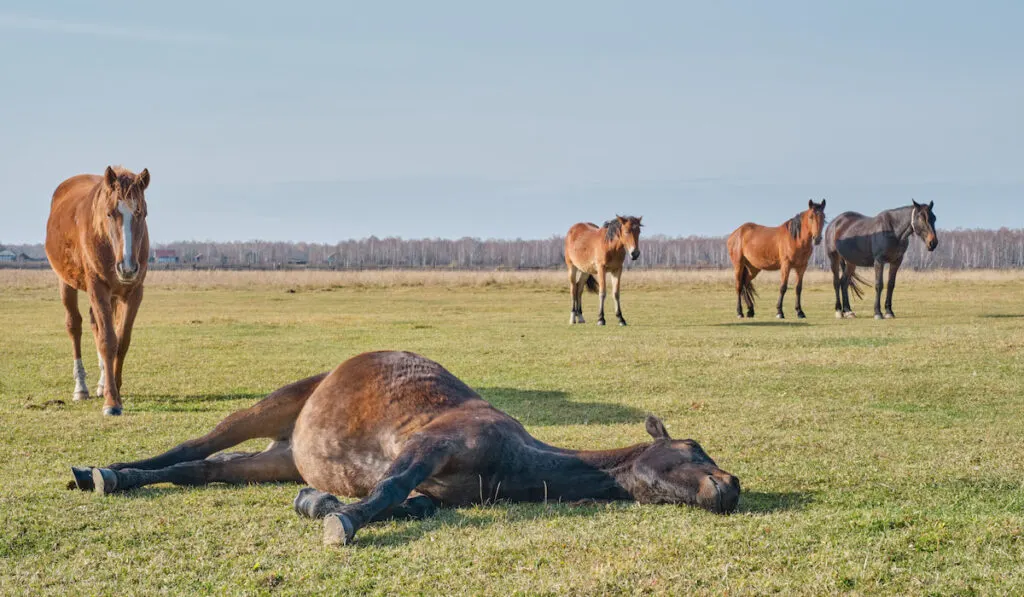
pixel 879 286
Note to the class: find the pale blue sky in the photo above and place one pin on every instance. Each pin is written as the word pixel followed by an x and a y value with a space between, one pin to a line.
pixel 322 121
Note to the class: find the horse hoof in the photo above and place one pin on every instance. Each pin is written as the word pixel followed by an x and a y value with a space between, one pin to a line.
pixel 313 503
pixel 421 507
pixel 622 323
pixel 80 396
pixel 338 529
pixel 839 315
pixel 83 478
pixel 800 315
pixel 850 315
pixel 111 411
pixel 890 315
pixel 779 316
pixel 104 481
pixel 580 320
pixel 878 316
pixel 100 390
pixel 739 316
pixel 600 322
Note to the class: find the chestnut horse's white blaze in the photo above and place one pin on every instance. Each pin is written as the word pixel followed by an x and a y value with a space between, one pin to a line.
pixel 126 235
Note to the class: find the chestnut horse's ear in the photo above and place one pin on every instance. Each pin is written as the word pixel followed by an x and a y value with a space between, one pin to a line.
pixel 143 179
pixel 110 177
pixel 656 428
pixel 621 219
pixel 810 204
pixel 822 203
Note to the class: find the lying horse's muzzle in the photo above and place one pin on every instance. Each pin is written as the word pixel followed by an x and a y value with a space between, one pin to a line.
pixel 634 254
pixel 719 494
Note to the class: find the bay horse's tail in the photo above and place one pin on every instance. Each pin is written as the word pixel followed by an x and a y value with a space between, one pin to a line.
pixel 747 290
pixel 592 285
pixel 855 285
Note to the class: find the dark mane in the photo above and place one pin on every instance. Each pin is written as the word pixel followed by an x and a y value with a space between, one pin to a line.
pixel 794 224
pixel 613 226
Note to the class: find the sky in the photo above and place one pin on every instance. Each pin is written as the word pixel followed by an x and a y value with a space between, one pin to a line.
pixel 322 121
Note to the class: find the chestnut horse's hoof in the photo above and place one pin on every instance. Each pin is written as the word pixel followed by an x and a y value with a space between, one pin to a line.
pixel 83 478
pixel 313 503
pixel 104 480
pixel 111 411
pixel 338 529
pixel 80 396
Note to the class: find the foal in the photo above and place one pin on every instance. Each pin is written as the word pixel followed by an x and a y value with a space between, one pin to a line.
pixel 97 241
pixel 384 425
pixel 753 248
pixel 590 252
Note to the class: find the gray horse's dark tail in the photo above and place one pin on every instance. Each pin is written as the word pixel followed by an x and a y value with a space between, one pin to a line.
pixel 855 285
pixel 747 290
pixel 592 284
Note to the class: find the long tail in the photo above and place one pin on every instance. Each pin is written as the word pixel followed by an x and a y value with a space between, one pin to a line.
pixel 592 285
pixel 855 285
pixel 747 290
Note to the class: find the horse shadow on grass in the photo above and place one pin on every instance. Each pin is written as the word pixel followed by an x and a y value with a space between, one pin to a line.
pixel 553 407
pixel 191 403
pixel 1002 315
pixel 760 502
pixel 760 324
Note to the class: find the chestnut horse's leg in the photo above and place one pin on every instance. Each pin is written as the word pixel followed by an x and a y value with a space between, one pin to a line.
pixel 273 418
pixel 601 289
pixel 127 309
pixel 574 295
pixel 273 465
pixel 73 323
pixel 751 274
pixel 581 284
pixel 616 278
pixel 783 286
pixel 799 291
pixel 741 273
pixel 893 268
pixel 106 344
pixel 417 461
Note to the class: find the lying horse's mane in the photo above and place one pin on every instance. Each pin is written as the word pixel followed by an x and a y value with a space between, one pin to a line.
pixel 795 225
pixel 613 226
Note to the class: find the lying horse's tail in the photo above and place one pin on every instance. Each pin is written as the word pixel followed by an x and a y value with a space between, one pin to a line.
pixel 592 284
pixel 855 285
pixel 747 290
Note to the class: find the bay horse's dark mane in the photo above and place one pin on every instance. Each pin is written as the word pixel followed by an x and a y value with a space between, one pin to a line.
pixel 795 225
pixel 613 226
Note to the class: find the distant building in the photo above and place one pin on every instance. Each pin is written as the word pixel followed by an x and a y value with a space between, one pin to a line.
pixel 8 255
pixel 165 256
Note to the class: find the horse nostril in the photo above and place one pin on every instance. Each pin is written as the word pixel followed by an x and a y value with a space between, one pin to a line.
pixel 635 254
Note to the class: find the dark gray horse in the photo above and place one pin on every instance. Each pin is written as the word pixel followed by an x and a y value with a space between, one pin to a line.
pixel 854 240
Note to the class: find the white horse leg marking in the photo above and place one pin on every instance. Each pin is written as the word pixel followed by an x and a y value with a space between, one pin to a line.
pixel 101 386
pixel 81 388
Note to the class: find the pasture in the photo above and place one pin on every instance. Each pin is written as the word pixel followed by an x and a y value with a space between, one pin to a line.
pixel 876 457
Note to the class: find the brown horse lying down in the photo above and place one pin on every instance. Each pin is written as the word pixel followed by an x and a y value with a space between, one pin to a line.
pixel 383 425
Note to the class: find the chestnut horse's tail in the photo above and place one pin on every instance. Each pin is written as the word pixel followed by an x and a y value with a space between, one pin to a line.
pixel 592 284
pixel 855 284
pixel 747 290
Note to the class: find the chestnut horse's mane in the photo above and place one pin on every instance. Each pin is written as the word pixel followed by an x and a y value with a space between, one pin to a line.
pixel 795 224
pixel 613 226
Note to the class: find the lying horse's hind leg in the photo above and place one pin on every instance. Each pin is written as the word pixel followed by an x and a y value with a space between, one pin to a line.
pixel 316 504
pixel 273 418
pixel 275 464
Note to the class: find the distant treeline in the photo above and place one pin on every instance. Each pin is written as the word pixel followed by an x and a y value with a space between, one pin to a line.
pixel 958 249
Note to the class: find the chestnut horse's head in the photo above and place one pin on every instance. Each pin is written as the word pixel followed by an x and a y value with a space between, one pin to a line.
pixel 812 220
pixel 922 222
pixel 122 218
pixel 627 230
pixel 680 472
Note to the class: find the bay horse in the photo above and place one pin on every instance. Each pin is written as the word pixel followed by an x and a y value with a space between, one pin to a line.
pixel 753 248
pixel 591 252
pixel 97 241
pixel 854 240
pixel 384 425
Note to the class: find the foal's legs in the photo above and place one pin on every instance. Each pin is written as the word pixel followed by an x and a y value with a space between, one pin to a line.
pixel 783 285
pixel 893 268
pixel 879 286
pixel 73 323
pixel 616 278
pixel 602 284
pixel 799 291
pixel 273 465
pixel 102 315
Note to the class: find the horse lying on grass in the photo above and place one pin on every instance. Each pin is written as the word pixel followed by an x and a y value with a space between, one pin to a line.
pixel 384 425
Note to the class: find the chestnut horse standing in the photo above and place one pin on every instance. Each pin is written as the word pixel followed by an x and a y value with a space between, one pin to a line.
pixel 753 248
pixel 384 425
pixel 97 241
pixel 590 252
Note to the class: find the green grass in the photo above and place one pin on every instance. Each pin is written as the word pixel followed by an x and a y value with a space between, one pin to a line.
pixel 876 457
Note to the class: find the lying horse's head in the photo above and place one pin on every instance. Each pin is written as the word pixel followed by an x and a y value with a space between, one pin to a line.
pixel 674 471
pixel 122 217
pixel 922 222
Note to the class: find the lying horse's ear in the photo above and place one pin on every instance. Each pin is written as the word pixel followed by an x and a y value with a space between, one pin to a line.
pixel 656 428
pixel 142 180
pixel 110 177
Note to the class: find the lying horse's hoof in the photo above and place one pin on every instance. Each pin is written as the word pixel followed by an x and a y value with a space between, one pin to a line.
pixel 313 503
pixel 80 396
pixel 111 411
pixel 338 529
pixel 104 480
pixel 83 478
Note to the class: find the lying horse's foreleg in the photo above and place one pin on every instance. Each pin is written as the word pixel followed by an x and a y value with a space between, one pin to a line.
pixel 272 418
pixel 275 464
pixel 414 465
pixel 313 503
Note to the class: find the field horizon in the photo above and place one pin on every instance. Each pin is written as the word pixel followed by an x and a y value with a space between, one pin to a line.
pixel 877 457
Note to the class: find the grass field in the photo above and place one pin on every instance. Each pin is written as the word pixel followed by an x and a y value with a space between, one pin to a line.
pixel 875 457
